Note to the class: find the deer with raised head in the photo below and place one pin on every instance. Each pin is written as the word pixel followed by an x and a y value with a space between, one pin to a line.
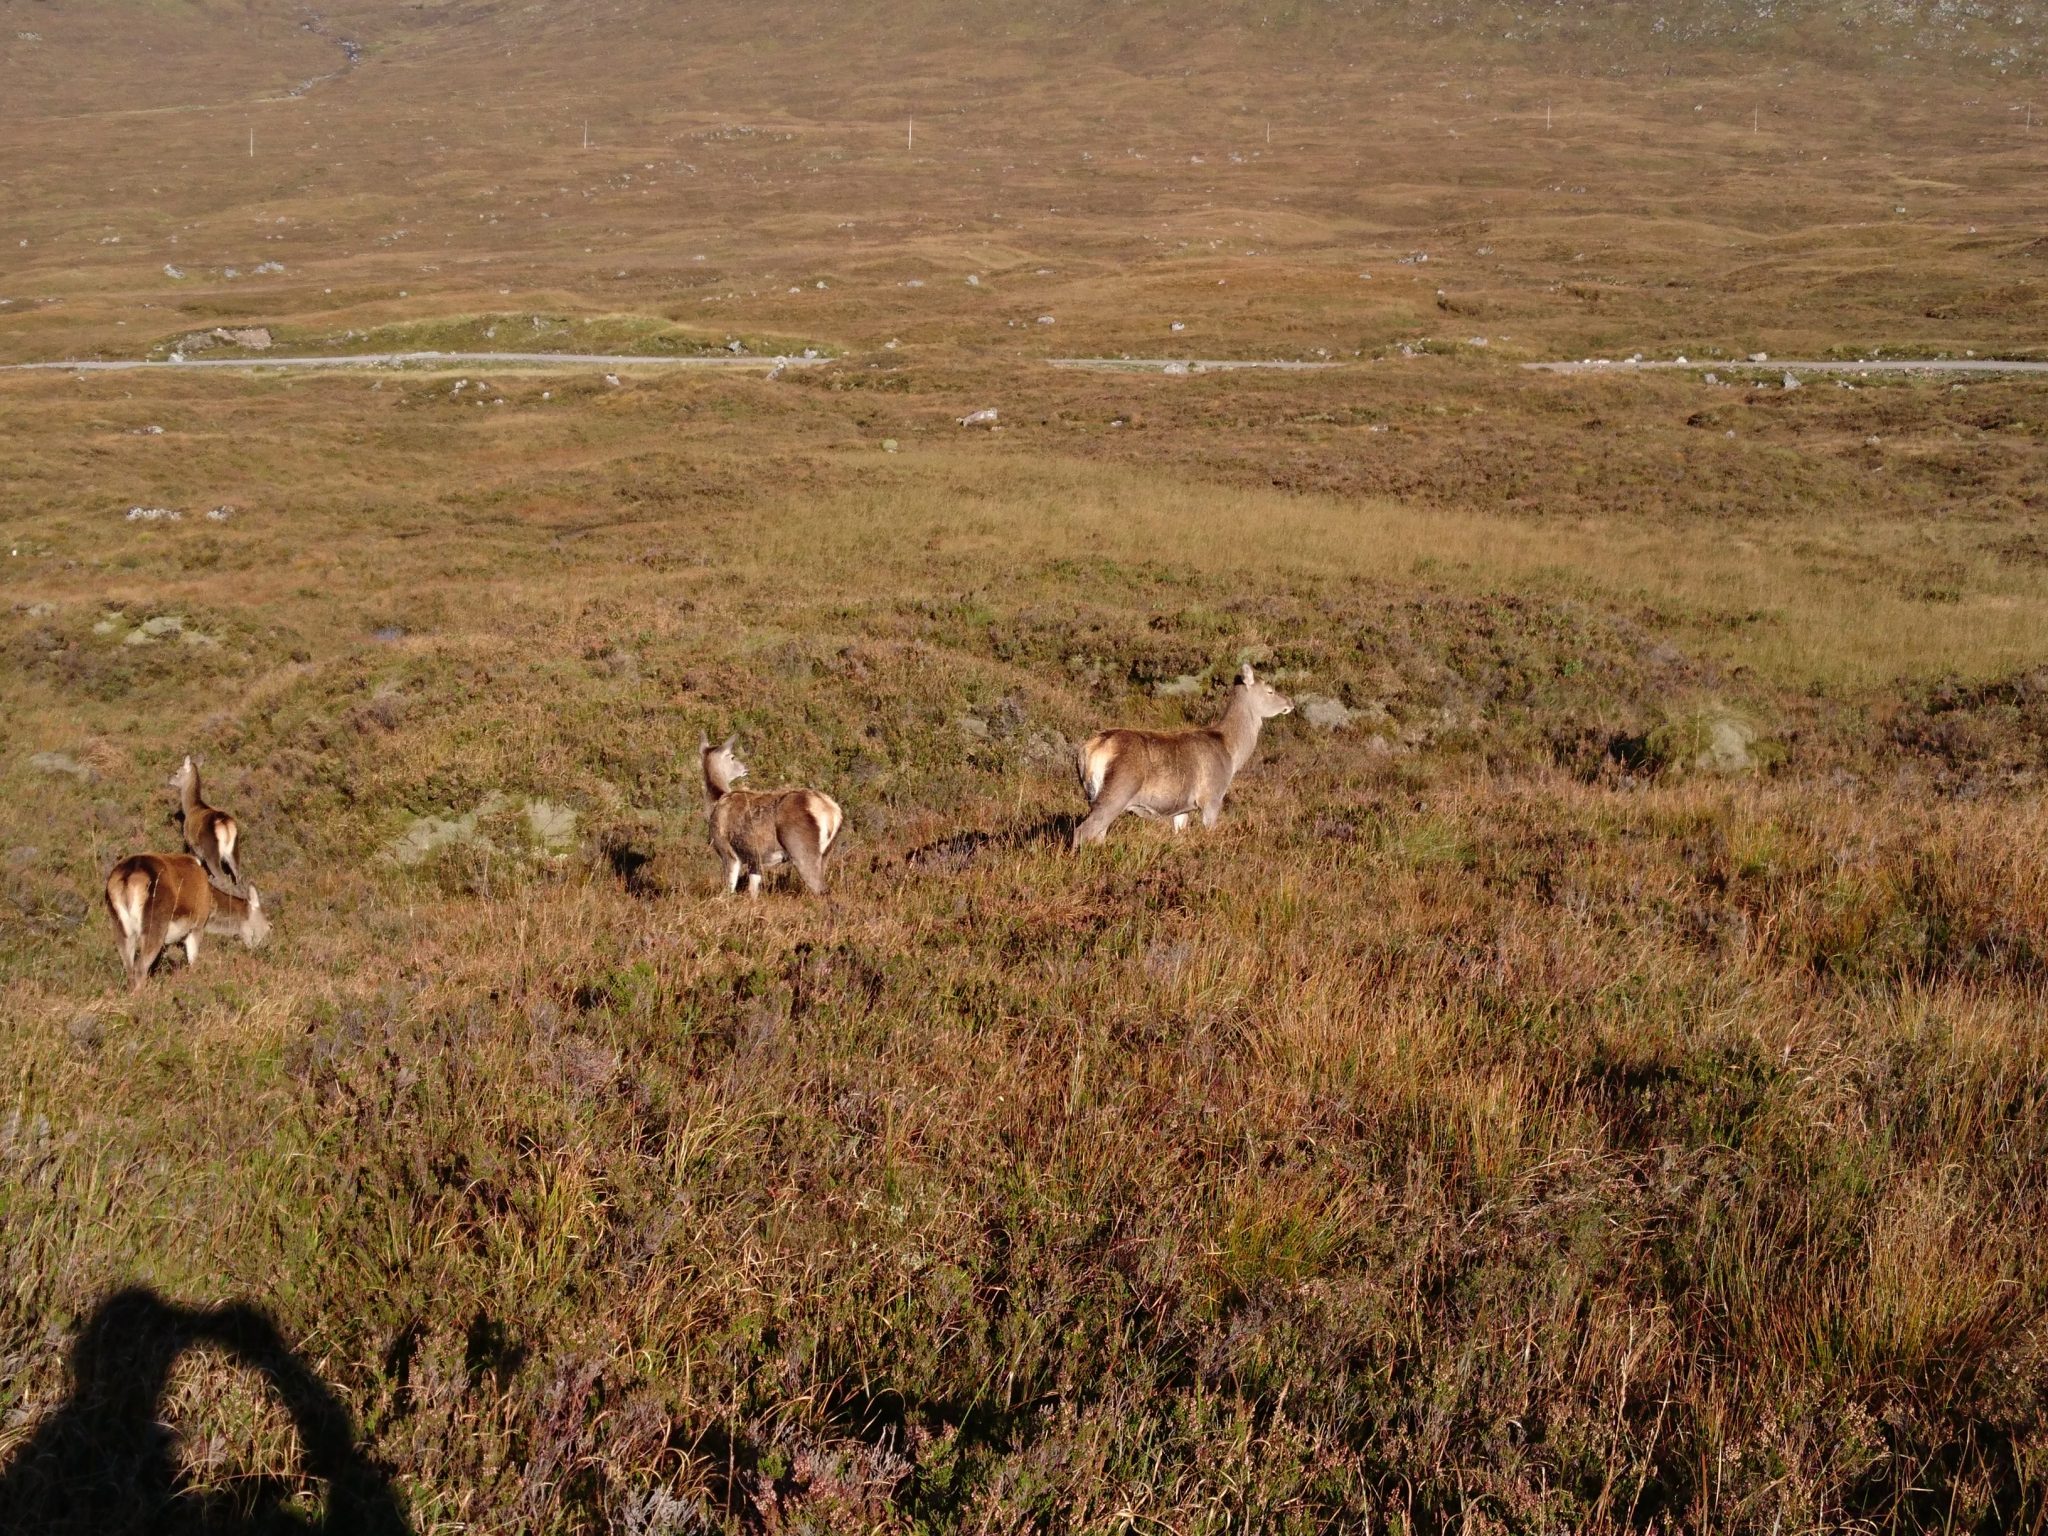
pixel 210 835
pixel 754 830
pixel 1174 773
pixel 161 899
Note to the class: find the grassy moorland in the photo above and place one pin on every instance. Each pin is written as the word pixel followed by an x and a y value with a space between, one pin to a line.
pixel 1500 1122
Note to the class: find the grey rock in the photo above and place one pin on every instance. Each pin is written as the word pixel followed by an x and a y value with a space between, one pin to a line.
pixel 1729 747
pixel 1326 714
pixel 55 763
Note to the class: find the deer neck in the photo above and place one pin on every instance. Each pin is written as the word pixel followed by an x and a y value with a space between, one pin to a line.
pixel 188 793
pixel 1240 729
pixel 715 786
pixel 230 912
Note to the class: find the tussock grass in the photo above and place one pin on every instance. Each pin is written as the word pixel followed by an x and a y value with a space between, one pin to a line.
pixel 1497 1122
pixel 1479 1122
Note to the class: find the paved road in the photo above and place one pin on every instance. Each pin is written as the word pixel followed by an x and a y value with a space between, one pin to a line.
pixel 1176 364
pixel 1800 365
pixel 451 362
pixel 435 362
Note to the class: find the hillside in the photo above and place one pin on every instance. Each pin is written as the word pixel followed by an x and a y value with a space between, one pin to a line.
pixel 1590 1079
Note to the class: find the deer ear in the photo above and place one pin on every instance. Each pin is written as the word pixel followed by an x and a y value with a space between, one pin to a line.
pixel 1246 675
pixel 729 741
pixel 703 743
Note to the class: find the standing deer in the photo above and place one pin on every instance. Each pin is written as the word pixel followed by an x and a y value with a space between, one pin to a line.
pixel 1174 773
pixel 210 835
pixel 161 899
pixel 753 830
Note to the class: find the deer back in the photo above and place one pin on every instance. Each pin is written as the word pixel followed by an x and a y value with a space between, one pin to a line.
pixel 1167 771
pixel 159 893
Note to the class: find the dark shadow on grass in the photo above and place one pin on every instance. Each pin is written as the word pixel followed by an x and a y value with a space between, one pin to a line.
pixel 951 855
pixel 102 1462
pixel 630 864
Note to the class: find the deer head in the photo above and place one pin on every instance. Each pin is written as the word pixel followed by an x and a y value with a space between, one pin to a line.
pixel 256 926
pixel 722 766
pixel 1266 700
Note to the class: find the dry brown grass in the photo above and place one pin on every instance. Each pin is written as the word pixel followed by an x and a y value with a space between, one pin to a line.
pixel 1495 1124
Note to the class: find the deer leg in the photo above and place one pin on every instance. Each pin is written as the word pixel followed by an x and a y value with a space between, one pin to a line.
pixel 1111 802
pixel 191 949
pixel 754 884
pixel 1211 809
pixel 808 858
pixel 148 946
pixel 733 870
pixel 1180 822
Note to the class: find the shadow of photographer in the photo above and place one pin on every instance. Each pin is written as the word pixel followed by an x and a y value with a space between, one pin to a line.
pixel 102 1461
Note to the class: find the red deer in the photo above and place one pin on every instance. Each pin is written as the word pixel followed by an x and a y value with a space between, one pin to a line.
pixel 1174 773
pixel 161 899
pixel 209 834
pixel 753 830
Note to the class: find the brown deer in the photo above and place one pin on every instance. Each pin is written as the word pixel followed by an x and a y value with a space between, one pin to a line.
pixel 210 835
pixel 161 899
pixel 753 830
pixel 1174 773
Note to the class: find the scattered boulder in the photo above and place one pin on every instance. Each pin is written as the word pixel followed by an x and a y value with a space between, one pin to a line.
pixel 1051 749
pixel 1708 738
pixel 1727 749
pixel 550 828
pixel 62 763
pixel 982 418
pixel 164 625
pixel 553 826
pixel 1326 714
pixel 255 337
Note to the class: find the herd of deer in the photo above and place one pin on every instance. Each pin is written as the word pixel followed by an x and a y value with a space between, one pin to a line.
pixel 158 900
